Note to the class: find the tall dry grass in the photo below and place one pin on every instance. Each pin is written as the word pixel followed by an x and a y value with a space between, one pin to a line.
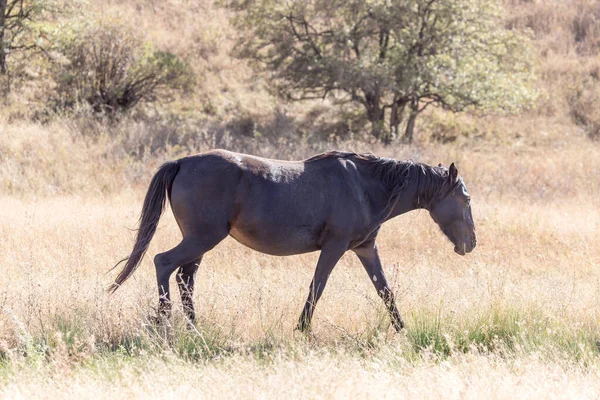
pixel 517 315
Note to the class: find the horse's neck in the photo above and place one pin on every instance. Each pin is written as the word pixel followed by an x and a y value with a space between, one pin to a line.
pixel 408 200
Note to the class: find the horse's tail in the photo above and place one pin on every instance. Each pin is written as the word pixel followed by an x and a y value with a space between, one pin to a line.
pixel 154 205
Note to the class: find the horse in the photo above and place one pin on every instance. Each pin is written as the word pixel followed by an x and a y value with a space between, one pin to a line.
pixel 333 202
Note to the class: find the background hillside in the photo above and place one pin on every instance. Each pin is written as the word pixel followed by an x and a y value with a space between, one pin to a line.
pixel 227 104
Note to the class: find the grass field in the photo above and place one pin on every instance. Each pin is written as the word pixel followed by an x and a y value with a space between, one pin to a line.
pixel 516 318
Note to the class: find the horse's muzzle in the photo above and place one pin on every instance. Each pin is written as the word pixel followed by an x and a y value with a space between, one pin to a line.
pixel 465 247
pixel 460 250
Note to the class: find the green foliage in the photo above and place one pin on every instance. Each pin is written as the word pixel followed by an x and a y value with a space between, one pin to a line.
pixel 502 331
pixel 108 67
pixel 25 29
pixel 390 55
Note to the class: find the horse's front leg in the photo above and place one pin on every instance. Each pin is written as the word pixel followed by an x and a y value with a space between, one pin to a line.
pixel 369 257
pixel 331 252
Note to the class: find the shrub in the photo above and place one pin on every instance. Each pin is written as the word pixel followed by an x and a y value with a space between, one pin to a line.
pixel 585 27
pixel 584 103
pixel 108 67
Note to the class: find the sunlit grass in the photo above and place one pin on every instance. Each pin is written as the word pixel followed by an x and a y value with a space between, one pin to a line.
pixel 526 298
pixel 523 307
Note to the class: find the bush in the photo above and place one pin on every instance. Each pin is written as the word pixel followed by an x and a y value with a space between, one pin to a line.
pixel 585 27
pixel 109 68
pixel 584 103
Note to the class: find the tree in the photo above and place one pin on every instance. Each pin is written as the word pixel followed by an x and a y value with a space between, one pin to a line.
pixel 25 28
pixel 391 56
pixel 2 45
pixel 18 29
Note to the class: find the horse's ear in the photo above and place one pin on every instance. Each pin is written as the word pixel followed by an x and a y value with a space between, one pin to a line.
pixel 453 173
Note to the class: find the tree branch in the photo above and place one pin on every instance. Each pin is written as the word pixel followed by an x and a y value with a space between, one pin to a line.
pixel 307 38
pixel 11 6
pixel 312 43
pixel 384 38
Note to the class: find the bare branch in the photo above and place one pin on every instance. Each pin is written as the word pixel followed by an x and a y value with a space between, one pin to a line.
pixel 11 6
pixel 384 39
pixel 312 43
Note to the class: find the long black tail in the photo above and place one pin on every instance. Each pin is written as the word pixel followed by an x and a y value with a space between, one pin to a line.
pixel 154 205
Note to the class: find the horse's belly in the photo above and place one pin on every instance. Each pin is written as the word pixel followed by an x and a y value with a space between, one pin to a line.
pixel 275 241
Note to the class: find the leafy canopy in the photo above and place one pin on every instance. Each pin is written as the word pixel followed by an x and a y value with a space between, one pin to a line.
pixel 390 55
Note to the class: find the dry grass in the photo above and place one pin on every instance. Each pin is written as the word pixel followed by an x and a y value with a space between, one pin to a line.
pixel 517 317
pixel 320 375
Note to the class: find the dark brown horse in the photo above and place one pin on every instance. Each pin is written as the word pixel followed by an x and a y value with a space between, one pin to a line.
pixel 333 202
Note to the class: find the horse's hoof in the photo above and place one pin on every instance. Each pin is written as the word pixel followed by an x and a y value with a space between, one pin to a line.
pixel 190 325
pixel 399 326
pixel 158 320
pixel 303 328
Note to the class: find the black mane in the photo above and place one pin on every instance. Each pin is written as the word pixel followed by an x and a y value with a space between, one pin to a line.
pixel 432 182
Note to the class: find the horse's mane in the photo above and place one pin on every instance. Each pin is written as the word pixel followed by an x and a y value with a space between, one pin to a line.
pixel 432 183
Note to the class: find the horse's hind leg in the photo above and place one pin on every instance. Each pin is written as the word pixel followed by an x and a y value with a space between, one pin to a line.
pixel 186 277
pixel 190 249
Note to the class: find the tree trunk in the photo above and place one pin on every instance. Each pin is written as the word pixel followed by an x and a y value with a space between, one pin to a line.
pixel 377 127
pixel 375 113
pixel 410 126
pixel 3 69
pixel 396 115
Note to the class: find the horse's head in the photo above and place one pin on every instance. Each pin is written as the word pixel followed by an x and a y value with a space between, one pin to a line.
pixel 452 213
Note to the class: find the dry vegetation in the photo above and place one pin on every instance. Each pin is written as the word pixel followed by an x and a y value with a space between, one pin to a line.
pixel 519 317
